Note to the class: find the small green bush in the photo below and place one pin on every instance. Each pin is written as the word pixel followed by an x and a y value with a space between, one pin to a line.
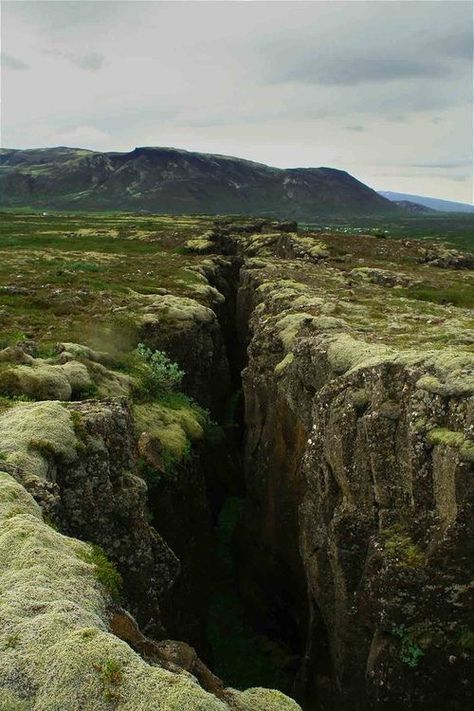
pixel 161 373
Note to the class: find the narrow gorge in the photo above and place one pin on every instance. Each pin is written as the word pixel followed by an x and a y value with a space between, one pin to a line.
pixel 295 512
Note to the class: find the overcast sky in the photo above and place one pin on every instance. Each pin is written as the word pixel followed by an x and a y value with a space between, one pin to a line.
pixel 381 88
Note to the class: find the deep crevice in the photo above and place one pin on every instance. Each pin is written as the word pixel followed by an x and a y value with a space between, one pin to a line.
pixel 249 644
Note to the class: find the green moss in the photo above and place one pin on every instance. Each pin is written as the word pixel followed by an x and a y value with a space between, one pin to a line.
pixel 175 422
pixel 289 326
pixel 199 245
pixel 457 440
pixel 9 701
pixel 400 547
pixel 346 353
pixel 105 571
pixel 360 398
pixel 149 473
pixel 265 700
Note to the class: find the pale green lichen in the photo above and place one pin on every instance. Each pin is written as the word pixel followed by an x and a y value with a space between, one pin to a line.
pixel 29 430
pixel 165 309
pixel 200 245
pixel 265 700
pixel 290 325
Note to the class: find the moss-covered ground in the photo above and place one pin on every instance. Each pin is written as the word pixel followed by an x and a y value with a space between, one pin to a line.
pixel 70 277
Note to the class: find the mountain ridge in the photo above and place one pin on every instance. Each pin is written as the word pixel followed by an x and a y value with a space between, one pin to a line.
pixel 174 180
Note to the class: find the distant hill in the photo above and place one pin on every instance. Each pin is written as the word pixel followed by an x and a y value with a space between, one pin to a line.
pixel 173 181
pixel 433 203
pixel 414 207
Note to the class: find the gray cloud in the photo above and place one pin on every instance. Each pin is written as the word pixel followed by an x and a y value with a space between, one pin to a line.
pixel 64 15
pixel 459 45
pixel 352 70
pixel 9 62
pixel 356 128
pixel 93 61
pixel 447 164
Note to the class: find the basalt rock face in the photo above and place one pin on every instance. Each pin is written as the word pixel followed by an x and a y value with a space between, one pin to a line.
pixel 358 529
pixel 386 540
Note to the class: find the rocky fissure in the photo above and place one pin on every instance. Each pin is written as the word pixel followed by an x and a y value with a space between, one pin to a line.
pixel 311 531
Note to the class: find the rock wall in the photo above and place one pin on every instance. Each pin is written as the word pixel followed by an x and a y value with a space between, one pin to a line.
pixel 359 471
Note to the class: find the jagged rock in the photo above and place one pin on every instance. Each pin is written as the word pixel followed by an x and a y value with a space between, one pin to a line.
pixel 447 258
pixel 383 277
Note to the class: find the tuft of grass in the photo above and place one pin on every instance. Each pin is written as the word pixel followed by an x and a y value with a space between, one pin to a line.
pixel 105 571
pixel 465 639
pixel 111 676
pixel 149 473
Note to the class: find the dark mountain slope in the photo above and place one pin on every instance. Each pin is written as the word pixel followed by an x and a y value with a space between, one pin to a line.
pixel 175 181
